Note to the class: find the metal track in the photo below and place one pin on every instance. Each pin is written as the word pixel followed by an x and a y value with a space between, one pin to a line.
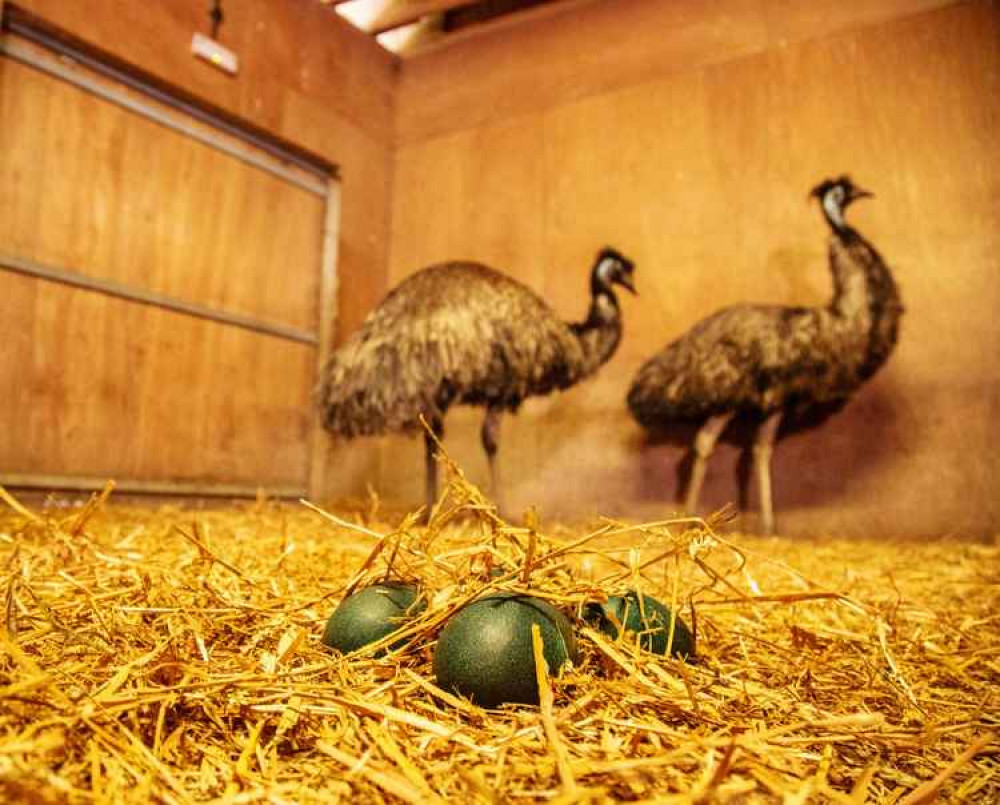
pixel 272 161
pixel 71 483
pixel 20 265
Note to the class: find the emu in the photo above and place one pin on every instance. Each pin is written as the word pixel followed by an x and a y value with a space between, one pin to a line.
pixel 464 333
pixel 775 369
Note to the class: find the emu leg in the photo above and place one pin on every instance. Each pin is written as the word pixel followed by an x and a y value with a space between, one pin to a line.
pixel 430 464
pixel 763 449
pixel 704 444
pixel 491 441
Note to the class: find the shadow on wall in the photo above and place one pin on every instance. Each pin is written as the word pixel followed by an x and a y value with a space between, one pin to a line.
pixel 813 467
pixel 576 461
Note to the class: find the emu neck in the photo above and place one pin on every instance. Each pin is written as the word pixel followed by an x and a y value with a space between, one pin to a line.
pixel 851 257
pixel 834 213
pixel 865 297
pixel 848 266
pixel 601 331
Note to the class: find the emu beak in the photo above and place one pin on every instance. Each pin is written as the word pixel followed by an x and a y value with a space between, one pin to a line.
pixel 626 280
pixel 857 193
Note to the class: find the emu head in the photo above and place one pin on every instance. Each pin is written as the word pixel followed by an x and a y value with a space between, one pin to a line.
pixel 836 194
pixel 612 268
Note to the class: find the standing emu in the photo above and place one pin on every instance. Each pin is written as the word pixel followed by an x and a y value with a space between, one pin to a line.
pixel 769 366
pixel 462 332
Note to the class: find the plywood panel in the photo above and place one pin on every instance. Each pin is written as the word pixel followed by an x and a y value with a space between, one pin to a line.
pixel 478 183
pixel 702 176
pixel 597 47
pixel 305 75
pixel 793 21
pixel 100 386
pixel 292 46
pixel 90 186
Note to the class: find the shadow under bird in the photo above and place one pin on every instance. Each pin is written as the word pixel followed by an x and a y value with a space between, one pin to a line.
pixel 464 333
pixel 773 370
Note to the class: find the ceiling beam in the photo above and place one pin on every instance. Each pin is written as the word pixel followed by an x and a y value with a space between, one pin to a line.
pixel 378 16
pixel 533 14
pixel 416 35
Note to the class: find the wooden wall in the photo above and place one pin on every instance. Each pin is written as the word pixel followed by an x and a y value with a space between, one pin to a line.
pixel 129 200
pixel 688 135
pixel 197 400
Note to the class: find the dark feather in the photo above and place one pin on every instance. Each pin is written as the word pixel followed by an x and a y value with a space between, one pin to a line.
pixel 461 332
pixel 756 359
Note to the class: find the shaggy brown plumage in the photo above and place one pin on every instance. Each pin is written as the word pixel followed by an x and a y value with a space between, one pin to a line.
pixel 779 367
pixel 462 332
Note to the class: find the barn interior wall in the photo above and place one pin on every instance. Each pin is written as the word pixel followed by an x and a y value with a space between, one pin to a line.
pixel 688 135
pixel 310 78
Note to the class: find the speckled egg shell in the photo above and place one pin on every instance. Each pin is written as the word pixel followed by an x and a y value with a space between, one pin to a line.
pixel 485 651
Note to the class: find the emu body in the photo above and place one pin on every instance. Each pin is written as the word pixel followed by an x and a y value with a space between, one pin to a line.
pixel 775 369
pixel 464 333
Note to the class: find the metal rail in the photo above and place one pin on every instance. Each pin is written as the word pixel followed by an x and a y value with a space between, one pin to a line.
pixel 271 161
pixel 20 265
pixel 63 483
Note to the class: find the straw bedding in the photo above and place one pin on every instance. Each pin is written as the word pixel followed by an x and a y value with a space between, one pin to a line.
pixel 173 654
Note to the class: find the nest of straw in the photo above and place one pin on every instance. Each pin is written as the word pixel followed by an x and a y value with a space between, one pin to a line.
pixel 174 655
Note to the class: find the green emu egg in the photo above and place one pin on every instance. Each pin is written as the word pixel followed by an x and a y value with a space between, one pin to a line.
pixel 485 650
pixel 372 613
pixel 647 617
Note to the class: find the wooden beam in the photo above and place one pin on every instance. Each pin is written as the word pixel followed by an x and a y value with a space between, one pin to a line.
pixel 522 18
pixel 76 279
pixel 413 37
pixel 319 439
pixel 378 16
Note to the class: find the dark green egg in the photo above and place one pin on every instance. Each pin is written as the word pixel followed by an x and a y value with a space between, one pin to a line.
pixel 485 650
pixel 372 613
pixel 648 618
